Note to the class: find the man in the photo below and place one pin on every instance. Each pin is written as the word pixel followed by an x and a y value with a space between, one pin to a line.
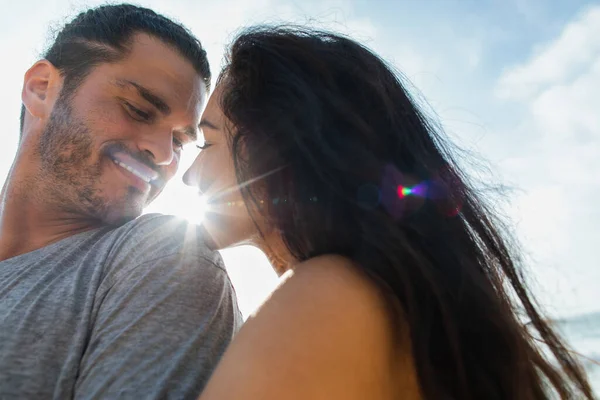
pixel 95 303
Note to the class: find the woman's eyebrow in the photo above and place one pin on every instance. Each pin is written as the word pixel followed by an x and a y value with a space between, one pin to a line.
pixel 206 123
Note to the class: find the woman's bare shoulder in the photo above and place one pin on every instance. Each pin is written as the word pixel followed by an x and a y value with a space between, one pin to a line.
pixel 333 280
pixel 324 333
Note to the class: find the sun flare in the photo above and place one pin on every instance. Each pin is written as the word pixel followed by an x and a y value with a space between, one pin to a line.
pixel 191 206
pixel 181 201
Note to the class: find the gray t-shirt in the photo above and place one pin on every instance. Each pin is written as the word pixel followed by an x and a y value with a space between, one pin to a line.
pixel 143 311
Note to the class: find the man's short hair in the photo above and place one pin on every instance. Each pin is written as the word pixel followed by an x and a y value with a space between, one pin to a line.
pixel 101 35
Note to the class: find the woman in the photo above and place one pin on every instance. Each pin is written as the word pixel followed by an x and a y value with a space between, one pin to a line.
pixel 398 282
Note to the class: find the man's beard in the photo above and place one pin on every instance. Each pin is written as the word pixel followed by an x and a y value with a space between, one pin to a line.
pixel 70 179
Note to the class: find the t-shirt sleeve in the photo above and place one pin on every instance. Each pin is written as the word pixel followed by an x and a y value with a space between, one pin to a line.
pixel 160 328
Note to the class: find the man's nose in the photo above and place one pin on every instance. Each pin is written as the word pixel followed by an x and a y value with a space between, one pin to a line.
pixel 159 146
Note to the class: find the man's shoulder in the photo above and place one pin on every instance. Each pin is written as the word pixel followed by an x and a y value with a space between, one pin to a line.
pixel 165 312
pixel 162 242
pixel 157 235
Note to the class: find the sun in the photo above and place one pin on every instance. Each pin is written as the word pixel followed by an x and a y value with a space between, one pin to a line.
pixel 182 201
pixel 189 205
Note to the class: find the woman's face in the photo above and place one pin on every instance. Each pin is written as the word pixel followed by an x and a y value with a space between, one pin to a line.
pixel 226 219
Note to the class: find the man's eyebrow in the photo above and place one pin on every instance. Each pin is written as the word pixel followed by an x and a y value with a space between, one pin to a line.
pixel 208 124
pixel 147 94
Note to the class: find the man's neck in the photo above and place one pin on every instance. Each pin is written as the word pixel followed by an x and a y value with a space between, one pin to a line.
pixel 28 223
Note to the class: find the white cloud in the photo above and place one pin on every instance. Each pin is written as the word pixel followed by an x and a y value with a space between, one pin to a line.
pixel 556 62
pixel 559 172
pixel 571 111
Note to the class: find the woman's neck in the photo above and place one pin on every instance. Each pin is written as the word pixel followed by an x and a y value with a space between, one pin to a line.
pixel 278 254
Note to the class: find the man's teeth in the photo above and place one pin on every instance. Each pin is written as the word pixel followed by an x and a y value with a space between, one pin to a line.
pixel 133 171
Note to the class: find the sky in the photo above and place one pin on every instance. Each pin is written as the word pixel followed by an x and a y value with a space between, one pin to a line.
pixel 514 83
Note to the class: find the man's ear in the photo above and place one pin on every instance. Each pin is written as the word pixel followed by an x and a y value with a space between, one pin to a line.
pixel 41 87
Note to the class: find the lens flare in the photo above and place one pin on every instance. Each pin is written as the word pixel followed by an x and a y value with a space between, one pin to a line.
pixel 404 191
pixel 419 190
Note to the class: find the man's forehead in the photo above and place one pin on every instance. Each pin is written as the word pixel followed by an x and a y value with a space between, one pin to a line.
pixel 159 60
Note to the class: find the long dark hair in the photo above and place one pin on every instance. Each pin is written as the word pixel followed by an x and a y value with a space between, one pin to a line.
pixel 351 166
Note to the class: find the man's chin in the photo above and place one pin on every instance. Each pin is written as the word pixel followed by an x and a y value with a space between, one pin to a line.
pixel 123 208
pixel 117 215
pixel 119 219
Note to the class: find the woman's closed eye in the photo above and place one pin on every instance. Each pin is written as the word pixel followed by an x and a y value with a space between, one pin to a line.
pixel 204 146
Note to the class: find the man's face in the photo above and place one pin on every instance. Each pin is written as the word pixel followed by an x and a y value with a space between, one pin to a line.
pixel 109 147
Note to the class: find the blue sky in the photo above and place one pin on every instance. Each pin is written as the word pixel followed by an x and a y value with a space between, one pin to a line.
pixel 515 82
